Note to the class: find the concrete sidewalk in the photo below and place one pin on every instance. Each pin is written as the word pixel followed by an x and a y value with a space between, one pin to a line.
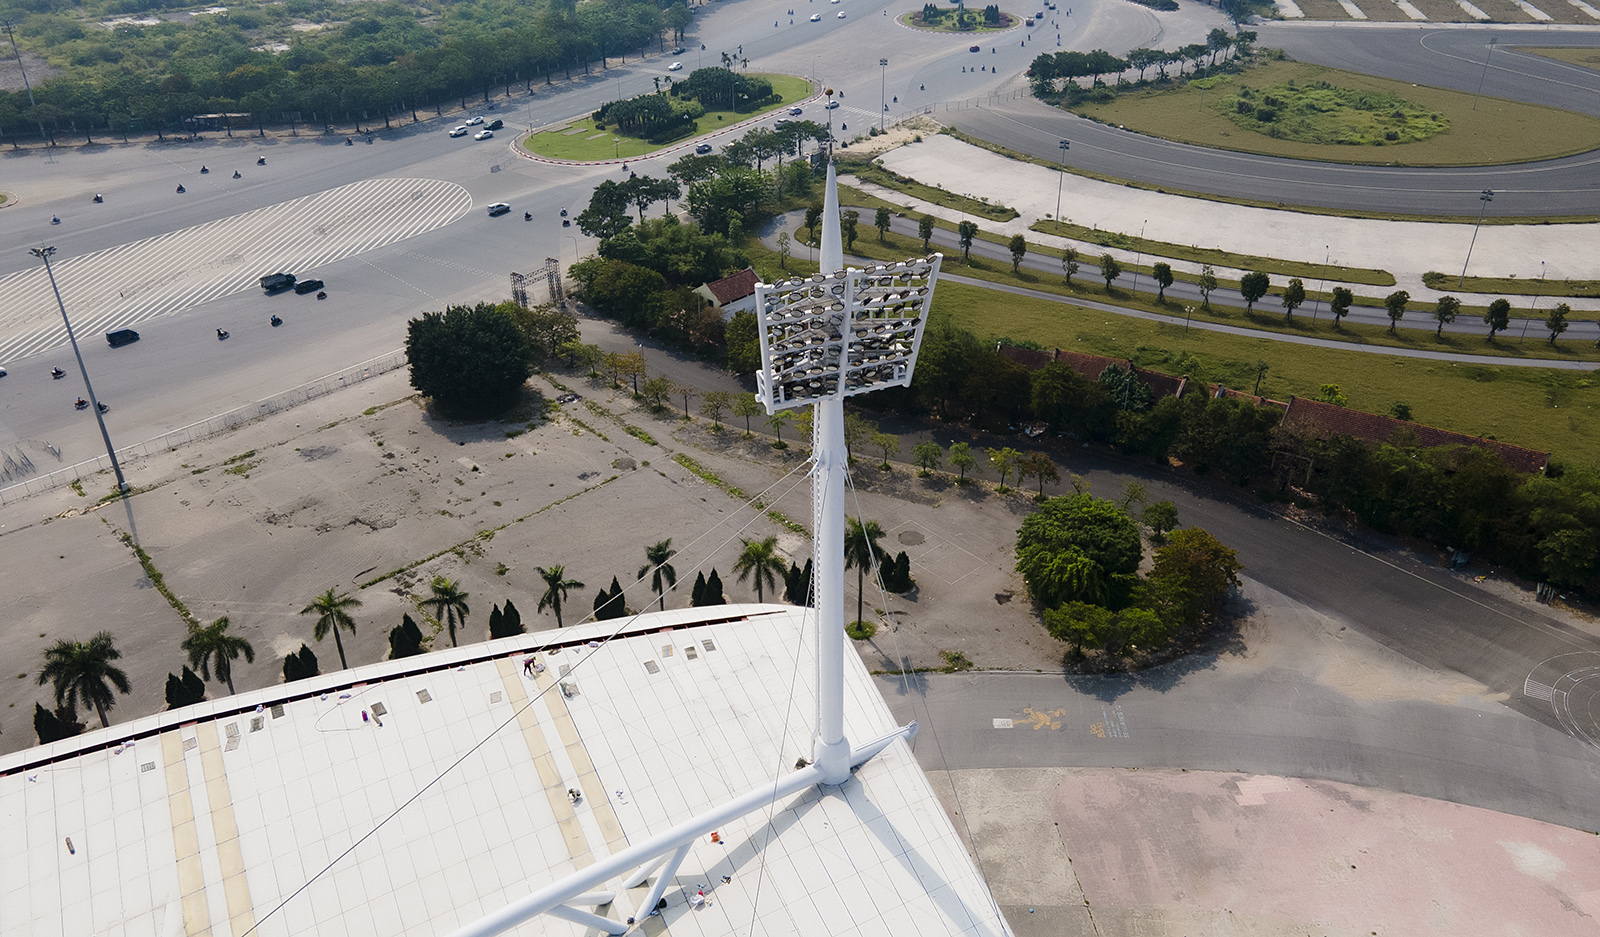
pixel 1406 249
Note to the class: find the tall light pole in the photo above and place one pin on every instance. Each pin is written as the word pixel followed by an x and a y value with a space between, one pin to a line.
pixel 883 91
pixel 1138 255
pixel 11 33
pixel 1535 307
pixel 44 254
pixel 1065 146
pixel 1485 73
pixel 1486 196
pixel 1327 252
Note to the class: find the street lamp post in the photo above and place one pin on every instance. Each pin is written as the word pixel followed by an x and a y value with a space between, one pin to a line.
pixel 1485 73
pixel 1327 253
pixel 1060 177
pixel 883 91
pixel 1486 196
pixel 1138 255
pixel 1535 307
pixel 44 254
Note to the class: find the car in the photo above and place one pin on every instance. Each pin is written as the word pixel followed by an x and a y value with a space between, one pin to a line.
pixel 3 372
pixel 458 131
pixel 780 123
pixel 703 149
pixel 119 337
pixel 841 14
pixel 972 48
pixel 816 17
pixel 498 208
pixel 308 286
pixel 495 124
pixel 483 135
pixel 830 105
pixel 474 121
pixel 796 111
pixel 679 50
pixel 675 67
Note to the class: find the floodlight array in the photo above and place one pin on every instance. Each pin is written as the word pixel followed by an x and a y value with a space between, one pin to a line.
pixel 844 333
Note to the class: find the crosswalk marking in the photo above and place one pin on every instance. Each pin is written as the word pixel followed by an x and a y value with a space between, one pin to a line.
pixel 141 280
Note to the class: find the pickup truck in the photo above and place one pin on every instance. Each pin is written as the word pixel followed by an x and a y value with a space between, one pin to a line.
pixel 273 282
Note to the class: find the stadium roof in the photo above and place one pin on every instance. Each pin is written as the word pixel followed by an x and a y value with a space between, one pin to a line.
pixel 411 797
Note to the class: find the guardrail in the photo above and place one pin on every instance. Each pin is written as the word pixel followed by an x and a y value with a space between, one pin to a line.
pixel 210 426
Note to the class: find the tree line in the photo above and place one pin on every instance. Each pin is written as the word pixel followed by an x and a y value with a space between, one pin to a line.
pixel 1048 70
pixel 386 60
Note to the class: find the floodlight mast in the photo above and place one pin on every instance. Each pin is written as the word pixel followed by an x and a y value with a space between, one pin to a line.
pixel 842 332
pixel 823 338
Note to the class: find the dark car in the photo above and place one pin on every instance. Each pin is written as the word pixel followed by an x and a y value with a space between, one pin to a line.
pixel 703 148
pixel 972 48
pixel 273 282
pixel 307 286
pixel 495 124
pixel 121 337
pixel 679 50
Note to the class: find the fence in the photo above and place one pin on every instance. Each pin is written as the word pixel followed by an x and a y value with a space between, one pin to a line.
pixel 220 423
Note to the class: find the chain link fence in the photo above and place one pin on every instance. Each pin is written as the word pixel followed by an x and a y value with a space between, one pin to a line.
pixel 220 423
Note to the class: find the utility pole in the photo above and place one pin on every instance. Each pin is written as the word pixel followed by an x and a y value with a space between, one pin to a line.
pixel 1485 72
pixel 44 254
pixel 1486 196
pixel 883 91
pixel 1065 146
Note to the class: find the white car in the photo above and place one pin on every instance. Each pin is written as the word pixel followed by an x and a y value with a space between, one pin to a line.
pixel 483 135
pixel 2 372
pixel 675 67
pixel 816 17
pixel 474 121
pixel 498 208
pixel 830 105
pixel 458 131
pixel 841 14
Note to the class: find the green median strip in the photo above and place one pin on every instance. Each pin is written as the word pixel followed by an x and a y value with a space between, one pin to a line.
pixel 1510 286
pixel 872 172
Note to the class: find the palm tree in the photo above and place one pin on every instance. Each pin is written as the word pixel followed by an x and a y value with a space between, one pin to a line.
pixel 556 586
pixel 80 671
pixel 213 646
pixel 861 550
pixel 447 602
pixel 331 608
pixel 760 560
pixel 658 555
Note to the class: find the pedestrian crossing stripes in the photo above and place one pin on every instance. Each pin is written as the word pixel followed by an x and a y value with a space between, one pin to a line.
pixel 141 280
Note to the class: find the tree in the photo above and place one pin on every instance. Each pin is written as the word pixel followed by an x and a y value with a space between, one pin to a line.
pixel 965 232
pixel 744 345
pixel 925 231
pixel 471 360
pixel 1162 274
pixel 1019 249
pixel 1161 517
pixel 880 220
pixel 656 391
pixel 1192 573
pixel 1339 305
pixel 1004 461
pixel 962 458
pixel 1293 295
pixel 1040 466
pixel 849 222
pixel 783 250
pixel 610 603
pixel 862 552
pixel 84 672
pixel 1330 393
pixel 1261 371
pixel 185 690
pixel 405 639
pixel 1445 312
pixel 1253 286
pixel 1498 317
pixel 775 423
pixel 712 594
pixel 713 404
pixel 928 456
pixel 657 564
pixel 332 609
pixel 889 445
pixel 759 560
pixel 1400 410
pixel 556 587
pixel 212 647
pixel 447 603
pixel 746 405
pixel 510 623
pixel 813 218
pixel 1069 262
pixel 1109 269
pixel 687 393
pixel 300 665
pixel 1556 322
pixel 546 329
pixel 607 215
pixel 1208 285
pixel 1078 547
pixel 1396 304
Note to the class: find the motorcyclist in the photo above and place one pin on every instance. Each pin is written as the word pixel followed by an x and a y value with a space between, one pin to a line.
pixel 98 198
pixel 81 403
pixel 103 407
pixel 181 189
pixel 276 321
pixel 203 170
pixel 236 174
pixel 57 373
pixel 261 160
pixel 221 334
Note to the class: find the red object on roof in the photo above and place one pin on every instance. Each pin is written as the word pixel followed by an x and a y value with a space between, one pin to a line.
pixel 1314 417
pixel 733 288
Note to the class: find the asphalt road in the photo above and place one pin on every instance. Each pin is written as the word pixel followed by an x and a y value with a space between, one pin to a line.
pixel 1451 58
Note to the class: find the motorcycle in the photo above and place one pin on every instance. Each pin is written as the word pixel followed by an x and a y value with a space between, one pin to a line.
pixel 563 213
pixel 55 219
pixel 349 142
pixel 276 321
pixel 566 222
pixel 527 216
pixel 322 294
pixel 98 199
pixel 222 335
pixel 81 404
pixel 236 174
pixel 181 189
pixel 103 407
pixel 261 161
pixel 204 170
pixel 57 373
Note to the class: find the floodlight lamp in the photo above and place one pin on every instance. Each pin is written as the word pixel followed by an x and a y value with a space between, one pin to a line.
pixel 843 333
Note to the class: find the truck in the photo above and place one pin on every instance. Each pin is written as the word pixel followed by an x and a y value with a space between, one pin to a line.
pixel 273 282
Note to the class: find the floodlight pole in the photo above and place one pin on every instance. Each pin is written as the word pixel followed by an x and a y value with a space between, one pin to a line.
pixel 1486 196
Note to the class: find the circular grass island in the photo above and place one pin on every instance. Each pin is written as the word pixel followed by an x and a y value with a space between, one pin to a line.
pixel 960 22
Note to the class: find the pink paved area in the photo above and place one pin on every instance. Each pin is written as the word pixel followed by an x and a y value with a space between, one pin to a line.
pixel 1194 852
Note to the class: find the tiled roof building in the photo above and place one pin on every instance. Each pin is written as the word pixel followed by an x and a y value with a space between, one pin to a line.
pixel 1315 418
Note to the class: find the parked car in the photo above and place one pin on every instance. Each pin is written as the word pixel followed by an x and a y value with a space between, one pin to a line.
pixel 474 121
pixel 703 149
pixel 675 67
pixel 308 286
pixel 120 337
pixel 458 131
pixel 483 135
pixel 498 208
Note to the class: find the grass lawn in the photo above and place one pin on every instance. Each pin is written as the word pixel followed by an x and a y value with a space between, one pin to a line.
pixel 582 142
pixel 872 172
pixel 947 23
pixel 1497 132
pixel 1586 57
pixel 1220 258
pixel 1543 409
pixel 1514 286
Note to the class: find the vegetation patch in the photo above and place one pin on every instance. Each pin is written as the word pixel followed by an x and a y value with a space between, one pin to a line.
pixel 1440 127
pixel 861 630
pixel 935 18
pixel 159 581
pixel 874 173
pixel 1533 286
